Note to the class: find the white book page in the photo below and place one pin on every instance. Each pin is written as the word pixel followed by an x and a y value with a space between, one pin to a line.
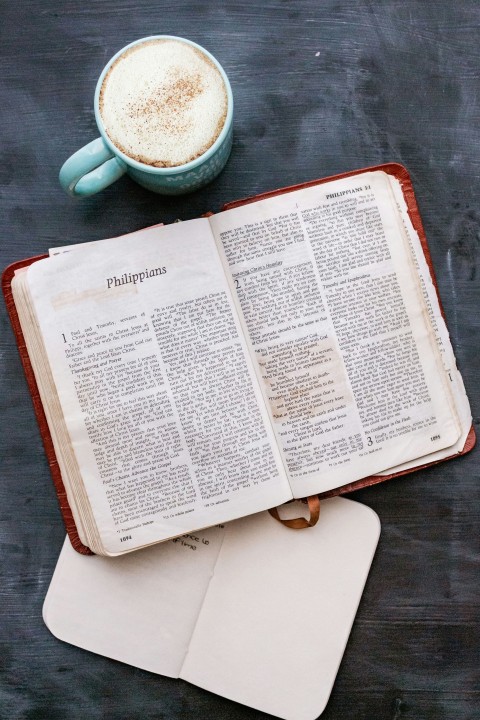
pixel 265 611
pixel 157 389
pixel 352 375
pixel 279 609
pixel 452 374
pixel 140 608
pixel 151 232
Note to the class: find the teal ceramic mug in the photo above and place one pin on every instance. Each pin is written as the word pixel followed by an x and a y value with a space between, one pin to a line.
pixel 100 163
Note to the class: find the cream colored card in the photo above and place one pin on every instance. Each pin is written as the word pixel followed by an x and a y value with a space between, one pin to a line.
pixel 252 611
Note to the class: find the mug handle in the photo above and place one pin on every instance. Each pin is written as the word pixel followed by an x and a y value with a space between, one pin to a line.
pixel 91 169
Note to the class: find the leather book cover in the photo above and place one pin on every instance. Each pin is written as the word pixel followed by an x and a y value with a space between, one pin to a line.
pixel 38 406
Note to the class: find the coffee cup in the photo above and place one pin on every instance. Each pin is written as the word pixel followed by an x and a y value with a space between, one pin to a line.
pixel 164 109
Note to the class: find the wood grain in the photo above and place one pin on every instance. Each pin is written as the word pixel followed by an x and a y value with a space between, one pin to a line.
pixel 320 88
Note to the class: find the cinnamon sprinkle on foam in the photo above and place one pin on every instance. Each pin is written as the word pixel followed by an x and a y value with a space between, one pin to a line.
pixel 163 103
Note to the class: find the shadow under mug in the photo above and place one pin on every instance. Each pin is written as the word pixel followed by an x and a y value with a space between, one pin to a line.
pixel 100 163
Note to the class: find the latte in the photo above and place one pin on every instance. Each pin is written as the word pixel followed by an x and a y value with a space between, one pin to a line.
pixel 163 102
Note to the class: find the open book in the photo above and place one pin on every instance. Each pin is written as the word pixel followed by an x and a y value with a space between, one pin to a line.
pixel 249 610
pixel 198 372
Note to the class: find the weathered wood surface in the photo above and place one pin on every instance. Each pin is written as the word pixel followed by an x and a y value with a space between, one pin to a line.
pixel 320 88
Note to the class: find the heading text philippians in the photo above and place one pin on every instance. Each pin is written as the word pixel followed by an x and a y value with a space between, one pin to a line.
pixel 134 277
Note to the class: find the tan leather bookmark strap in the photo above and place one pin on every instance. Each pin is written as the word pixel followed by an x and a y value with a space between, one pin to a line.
pixel 299 523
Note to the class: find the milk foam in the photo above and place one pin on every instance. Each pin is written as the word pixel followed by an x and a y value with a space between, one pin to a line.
pixel 163 103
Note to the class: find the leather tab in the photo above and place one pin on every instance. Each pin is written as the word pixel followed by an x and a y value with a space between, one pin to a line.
pixel 300 523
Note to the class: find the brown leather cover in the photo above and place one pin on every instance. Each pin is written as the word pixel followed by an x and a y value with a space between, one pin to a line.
pixel 37 404
pixel 391 168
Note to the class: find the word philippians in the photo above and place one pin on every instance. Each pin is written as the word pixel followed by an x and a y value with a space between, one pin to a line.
pixel 349 191
pixel 134 277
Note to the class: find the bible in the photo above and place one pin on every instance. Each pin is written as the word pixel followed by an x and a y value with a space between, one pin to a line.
pixel 291 345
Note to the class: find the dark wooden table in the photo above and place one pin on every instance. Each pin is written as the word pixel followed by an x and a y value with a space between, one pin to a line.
pixel 320 88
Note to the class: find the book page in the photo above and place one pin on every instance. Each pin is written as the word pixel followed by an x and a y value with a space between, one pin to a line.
pixel 442 337
pixel 158 393
pixel 140 608
pixel 151 232
pixel 328 290
pixel 279 609
pixel 259 626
